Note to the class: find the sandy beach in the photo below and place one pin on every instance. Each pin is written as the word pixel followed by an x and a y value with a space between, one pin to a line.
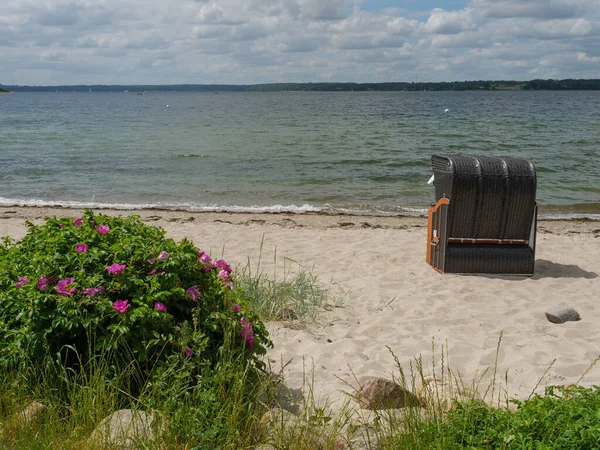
pixel 385 298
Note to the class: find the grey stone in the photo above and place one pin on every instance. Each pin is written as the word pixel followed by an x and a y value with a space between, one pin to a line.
pixel 29 414
pixel 276 393
pixel 380 393
pixel 562 314
pixel 25 417
pixel 126 429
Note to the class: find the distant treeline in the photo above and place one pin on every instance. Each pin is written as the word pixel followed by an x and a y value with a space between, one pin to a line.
pixel 129 88
pixel 568 84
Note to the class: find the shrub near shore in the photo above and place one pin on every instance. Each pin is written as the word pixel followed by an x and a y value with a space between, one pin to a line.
pixel 76 288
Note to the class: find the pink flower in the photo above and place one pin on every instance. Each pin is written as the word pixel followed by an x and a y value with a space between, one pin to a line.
pixel 78 222
pixel 203 257
pixel 42 283
pixel 221 264
pixel 236 308
pixel 223 275
pixel 21 282
pixel 115 268
pixel 93 291
pixel 188 352
pixel 62 225
pixel 193 292
pixel 121 306
pixel 151 261
pixel 163 256
pixel 159 306
pixel 152 272
pixel 103 229
pixel 81 248
pixel 66 286
pixel 247 333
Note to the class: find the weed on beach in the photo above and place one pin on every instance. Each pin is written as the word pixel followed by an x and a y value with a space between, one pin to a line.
pixel 201 378
pixel 296 296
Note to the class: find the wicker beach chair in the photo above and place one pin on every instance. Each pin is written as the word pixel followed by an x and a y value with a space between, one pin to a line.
pixel 484 217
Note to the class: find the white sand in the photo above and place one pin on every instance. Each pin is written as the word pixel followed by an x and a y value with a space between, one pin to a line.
pixel 393 298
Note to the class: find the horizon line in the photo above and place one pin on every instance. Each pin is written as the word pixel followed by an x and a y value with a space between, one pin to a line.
pixel 303 82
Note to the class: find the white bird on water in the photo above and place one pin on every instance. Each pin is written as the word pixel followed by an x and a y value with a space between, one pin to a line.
pixel 166 106
pixel 446 110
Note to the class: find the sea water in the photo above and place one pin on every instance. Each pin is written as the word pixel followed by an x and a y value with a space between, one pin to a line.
pixel 355 152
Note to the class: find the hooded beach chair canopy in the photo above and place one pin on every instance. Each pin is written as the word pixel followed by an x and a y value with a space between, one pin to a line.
pixel 484 216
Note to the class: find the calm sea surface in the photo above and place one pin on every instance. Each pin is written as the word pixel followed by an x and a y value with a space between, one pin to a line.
pixel 363 152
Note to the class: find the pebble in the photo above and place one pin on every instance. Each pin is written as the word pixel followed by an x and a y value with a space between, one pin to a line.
pixel 562 314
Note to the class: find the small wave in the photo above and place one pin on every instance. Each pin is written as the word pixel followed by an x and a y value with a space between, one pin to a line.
pixel 357 210
pixel 345 162
pixel 570 216
pixel 259 209
pixel 420 163
pixel 162 206
pixel 72 204
pixel 384 179
pixel 370 210
pixel 188 155
pixel 360 210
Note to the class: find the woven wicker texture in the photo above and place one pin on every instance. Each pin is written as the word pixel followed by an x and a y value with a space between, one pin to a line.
pixel 490 198
pixel 470 258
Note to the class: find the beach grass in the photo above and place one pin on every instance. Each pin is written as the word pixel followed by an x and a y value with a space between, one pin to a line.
pixel 233 408
pixel 295 296
pixel 226 414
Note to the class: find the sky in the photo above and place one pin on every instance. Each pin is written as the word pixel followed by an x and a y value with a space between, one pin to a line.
pixel 61 42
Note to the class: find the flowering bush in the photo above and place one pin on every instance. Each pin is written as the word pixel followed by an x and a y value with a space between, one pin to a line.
pixel 100 283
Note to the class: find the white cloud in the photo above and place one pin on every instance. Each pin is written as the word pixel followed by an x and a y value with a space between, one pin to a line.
pixel 449 22
pixel 255 41
pixel 210 13
pixel 582 56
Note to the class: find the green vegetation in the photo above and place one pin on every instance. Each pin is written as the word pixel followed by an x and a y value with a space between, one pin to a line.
pixel 564 418
pixel 562 85
pixel 69 341
pixel 399 86
pixel 73 288
pixel 479 85
pixel 104 313
pixel 3 90
pixel 294 298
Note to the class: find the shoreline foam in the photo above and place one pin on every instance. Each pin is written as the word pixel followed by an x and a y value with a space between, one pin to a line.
pixel 398 211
